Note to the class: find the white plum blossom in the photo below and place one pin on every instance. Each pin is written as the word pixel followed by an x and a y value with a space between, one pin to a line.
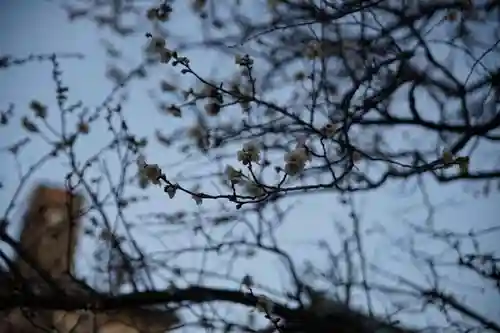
pixel 148 173
pixel 244 60
pixel 156 44
pixel 153 173
pixel 156 48
pixel 161 13
pixel 233 175
pixel 165 56
pixel 249 153
pixel 295 161
pixel 151 13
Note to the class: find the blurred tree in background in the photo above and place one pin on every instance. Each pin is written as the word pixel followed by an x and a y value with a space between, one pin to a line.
pixel 291 100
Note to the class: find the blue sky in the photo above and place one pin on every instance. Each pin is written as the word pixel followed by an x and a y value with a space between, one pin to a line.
pixel 40 27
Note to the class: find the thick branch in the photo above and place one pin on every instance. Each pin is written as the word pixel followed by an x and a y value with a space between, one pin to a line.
pixel 193 294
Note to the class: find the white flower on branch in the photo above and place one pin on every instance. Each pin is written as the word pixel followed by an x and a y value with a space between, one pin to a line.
pixel 161 13
pixel 156 44
pixel 165 56
pixel 156 48
pixel 149 172
pixel 295 161
pixel 243 60
pixel 249 153
pixel 233 175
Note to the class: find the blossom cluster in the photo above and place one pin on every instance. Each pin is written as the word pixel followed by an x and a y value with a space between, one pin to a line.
pixel 295 160
pixel 249 153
